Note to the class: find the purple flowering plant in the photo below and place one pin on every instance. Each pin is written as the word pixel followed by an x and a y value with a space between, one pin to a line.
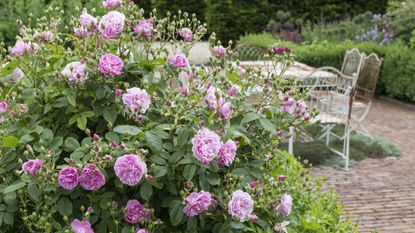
pixel 105 132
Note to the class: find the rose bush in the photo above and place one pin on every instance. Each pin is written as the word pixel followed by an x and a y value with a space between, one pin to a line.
pixel 103 132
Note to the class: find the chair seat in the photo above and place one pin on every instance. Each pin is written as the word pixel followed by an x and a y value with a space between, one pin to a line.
pixel 327 118
pixel 358 104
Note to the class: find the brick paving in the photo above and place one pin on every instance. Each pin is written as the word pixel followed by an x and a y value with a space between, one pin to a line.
pixel 380 193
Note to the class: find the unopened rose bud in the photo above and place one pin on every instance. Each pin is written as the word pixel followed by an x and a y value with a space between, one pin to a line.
pixel 253 217
pixel 97 149
pixel 108 157
pixel 122 146
pixel 90 210
pixel 189 184
pixel 139 118
pixel 270 157
pixel 114 205
pixel 149 177
pixel 118 92
pixel 96 137
pixel 114 143
pixel 202 123
pixel 253 184
pixel 169 103
pixel 281 178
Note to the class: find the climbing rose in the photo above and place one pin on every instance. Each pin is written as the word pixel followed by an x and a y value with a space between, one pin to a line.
pixel 197 203
pixel 219 51
pixel 179 60
pixel 284 208
pixel 75 72
pixel 136 212
pixel 32 166
pixel 88 20
pixel 225 109
pixel 109 4
pixel 91 178
pixel 68 178
pixel 210 98
pixel 144 29
pixel 186 34
pixel 130 169
pixel 142 230
pixel 81 32
pixel 4 106
pixel 241 205
pixel 227 153
pixel 111 24
pixel 18 49
pixel 136 100
pixel 81 227
pixel 110 65
pixel 206 145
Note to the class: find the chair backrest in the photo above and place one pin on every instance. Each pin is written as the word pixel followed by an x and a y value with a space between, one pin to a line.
pixel 367 79
pixel 352 62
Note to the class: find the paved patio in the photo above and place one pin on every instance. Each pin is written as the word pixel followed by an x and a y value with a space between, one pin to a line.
pixel 381 193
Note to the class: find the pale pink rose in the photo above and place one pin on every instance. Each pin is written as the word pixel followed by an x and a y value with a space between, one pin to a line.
pixel 18 49
pixel 68 178
pixel 206 145
pixel 185 90
pixel 32 47
pixel 91 178
pixel 219 51
pixel 81 227
pixel 4 106
pixel 186 34
pixel 225 109
pixel 241 205
pixel 142 230
pixel 81 32
pixel 16 75
pixel 136 100
pixel 75 72
pixel 227 153
pixel 110 4
pixel 87 20
pixel 112 24
pixel 130 169
pixel 136 212
pixel 210 99
pixel 284 208
pixel 179 60
pixel 110 65
pixel 32 166
pixel 197 203
pixel 144 29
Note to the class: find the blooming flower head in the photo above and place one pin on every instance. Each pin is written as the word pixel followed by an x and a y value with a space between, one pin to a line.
pixel 81 226
pixel 241 205
pixel 32 166
pixel 75 72
pixel 4 106
pixel 45 36
pixel 284 208
pixel 111 24
pixel 91 178
pixel 179 61
pixel 87 20
pixel 227 153
pixel 16 75
pixel 219 51
pixel 290 105
pixel 142 230
pixel 136 100
pixel 144 29
pixel 232 91
pixel 32 47
pixel 281 178
pixel 110 65
pixel 225 109
pixel 18 49
pixel 206 145
pixel 302 106
pixel 197 203
pixel 281 227
pixel 281 51
pixel 68 178
pixel 136 212
pixel 110 4
pixel 185 90
pixel 210 99
pixel 130 169
pixel 186 34
pixel 81 32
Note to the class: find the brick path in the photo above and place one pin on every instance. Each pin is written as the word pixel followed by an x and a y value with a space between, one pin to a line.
pixel 381 193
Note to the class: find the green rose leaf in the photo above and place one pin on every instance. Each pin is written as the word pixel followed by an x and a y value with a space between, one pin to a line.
pixel 10 141
pixel 34 191
pixel 65 206
pixel 71 144
pixel 14 187
pixel 249 117
pixel 127 129
pixel 146 190
pixel 154 142
pixel 71 100
pixel 176 214
pixel 110 114
pixel 189 171
pixel 267 125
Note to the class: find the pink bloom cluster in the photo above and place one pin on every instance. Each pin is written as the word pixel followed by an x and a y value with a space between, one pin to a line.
pixel 130 169
pixel 225 109
pixel 20 48
pixel 144 29
pixel 186 34
pixel 68 178
pixel 219 51
pixel 179 61
pixel 91 178
pixel 87 20
pixel 299 109
pixel 4 106
pixel 136 212
pixel 197 203
pixel 75 72
pixel 81 226
pixel 111 24
pixel 210 100
pixel 110 4
pixel 281 51
pixel 241 205
pixel 110 65
pixel 207 145
pixel 284 208
pixel 136 100
pixel 32 166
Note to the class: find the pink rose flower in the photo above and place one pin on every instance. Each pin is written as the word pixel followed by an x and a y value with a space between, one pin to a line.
pixel 281 178
pixel 136 100
pixel 118 92
pixel 290 105
pixel 179 61
pixel 81 227
pixel 18 49
pixel 206 145
pixel 91 178
pixel 232 91
pixel 186 34
pixel 225 109
pixel 4 106
pixel 81 32
pixel 241 205
pixel 253 184
pixel 190 75
pixel 32 166
pixel 144 29
pixel 253 218
pixel 302 106
pixel 32 47
pixel 227 153
pixel 197 203
pixel 136 212
pixel 130 169
pixel 219 51
pixel 110 4
pixel 111 24
pixel 110 65
pixel 142 230
pixel 284 208
pixel 185 90
pixel 75 72
pixel 68 178
pixel 210 98
pixel 87 20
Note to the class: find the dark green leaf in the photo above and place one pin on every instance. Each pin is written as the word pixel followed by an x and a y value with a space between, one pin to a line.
pixel 249 117
pixel 71 100
pixel 154 142
pixel 81 122
pixel 34 191
pixel 176 214
pixel 160 171
pixel 182 137
pixel 146 190
pixel 14 187
pixel 213 178
pixel 189 171
pixel 71 144
pixel 267 125
pixel 65 206
pixel 10 141
pixel 127 129
pixel 110 114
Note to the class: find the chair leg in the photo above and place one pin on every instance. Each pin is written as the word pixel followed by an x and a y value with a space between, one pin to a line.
pixel 346 148
pixel 291 141
pixel 328 132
